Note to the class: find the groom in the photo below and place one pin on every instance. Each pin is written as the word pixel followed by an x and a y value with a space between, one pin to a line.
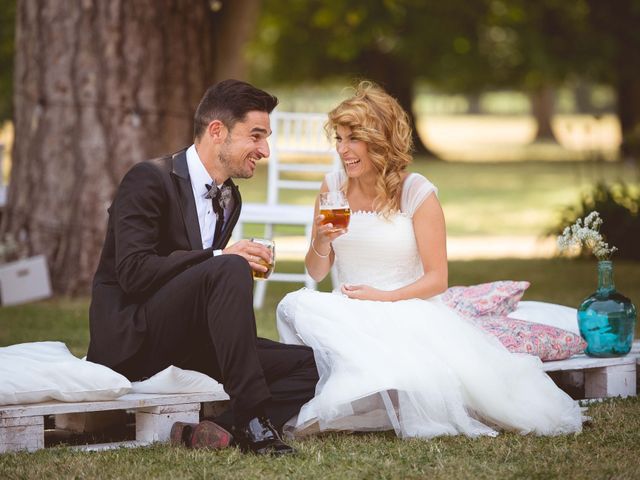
pixel 168 289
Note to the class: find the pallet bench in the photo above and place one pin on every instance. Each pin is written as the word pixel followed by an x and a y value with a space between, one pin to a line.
pixel 22 426
pixel 600 377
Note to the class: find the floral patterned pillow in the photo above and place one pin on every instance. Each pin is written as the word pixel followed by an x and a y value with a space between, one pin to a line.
pixel 548 343
pixel 495 299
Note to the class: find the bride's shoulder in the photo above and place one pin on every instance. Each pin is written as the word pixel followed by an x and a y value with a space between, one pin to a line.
pixel 415 190
pixel 414 179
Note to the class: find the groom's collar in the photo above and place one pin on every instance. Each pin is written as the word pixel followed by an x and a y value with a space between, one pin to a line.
pixel 181 168
pixel 179 164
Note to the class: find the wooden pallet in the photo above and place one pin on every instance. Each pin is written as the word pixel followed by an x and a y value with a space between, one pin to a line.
pixel 22 426
pixel 601 377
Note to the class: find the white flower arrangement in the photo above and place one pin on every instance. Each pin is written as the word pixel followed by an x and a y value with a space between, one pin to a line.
pixel 586 233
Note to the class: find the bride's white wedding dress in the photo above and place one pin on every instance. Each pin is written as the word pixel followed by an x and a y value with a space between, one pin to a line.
pixel 413 366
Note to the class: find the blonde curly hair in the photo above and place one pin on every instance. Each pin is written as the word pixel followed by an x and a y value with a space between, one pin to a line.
pixel 377 118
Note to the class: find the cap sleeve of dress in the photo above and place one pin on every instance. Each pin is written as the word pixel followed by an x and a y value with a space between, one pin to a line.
pixel 335 180
pixel 415 190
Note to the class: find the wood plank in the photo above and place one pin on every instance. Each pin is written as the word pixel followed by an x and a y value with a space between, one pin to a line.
pixel 612 381
pixel 101 447
pixel 153 424
pixel 167 409
pixel 21 434
pixel 12 422
pixel 129 401
pixel 582 362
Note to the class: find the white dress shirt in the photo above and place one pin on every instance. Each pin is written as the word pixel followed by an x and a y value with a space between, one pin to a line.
pixel 199 179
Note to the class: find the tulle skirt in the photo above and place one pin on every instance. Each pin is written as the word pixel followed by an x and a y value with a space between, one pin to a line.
pixel 416 367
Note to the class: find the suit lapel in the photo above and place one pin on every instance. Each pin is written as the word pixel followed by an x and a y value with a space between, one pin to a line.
pixel 180 173
pixel 233 217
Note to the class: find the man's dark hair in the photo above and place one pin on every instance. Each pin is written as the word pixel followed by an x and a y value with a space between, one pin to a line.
pixel 229 101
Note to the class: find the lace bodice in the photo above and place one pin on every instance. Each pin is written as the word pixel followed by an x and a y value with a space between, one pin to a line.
pixel 377 251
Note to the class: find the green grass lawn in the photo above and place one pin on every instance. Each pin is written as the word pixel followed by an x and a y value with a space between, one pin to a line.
pixel 479 199
pixel 607 449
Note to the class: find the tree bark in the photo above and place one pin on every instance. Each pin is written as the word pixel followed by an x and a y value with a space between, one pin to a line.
pixel 617 23
pixel 629 114
pixel 98 87
pixel 542 101
pixel 231 28
pixel 627 83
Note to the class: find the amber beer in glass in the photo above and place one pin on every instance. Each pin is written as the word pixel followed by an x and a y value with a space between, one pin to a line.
pixel 270 244
pixel 335 208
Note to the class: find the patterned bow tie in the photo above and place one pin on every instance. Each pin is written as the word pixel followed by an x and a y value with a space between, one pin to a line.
pixel 222 194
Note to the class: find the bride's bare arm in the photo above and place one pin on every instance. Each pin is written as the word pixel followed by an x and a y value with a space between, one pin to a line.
pixel 430 233
pixel 320 255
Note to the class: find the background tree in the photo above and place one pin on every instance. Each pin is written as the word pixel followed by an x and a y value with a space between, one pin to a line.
pixel 537 47
pixel 392 42
pixel 99 86
pixel 459 46
pixel 234 24
pixel 615 37
pixel 7 24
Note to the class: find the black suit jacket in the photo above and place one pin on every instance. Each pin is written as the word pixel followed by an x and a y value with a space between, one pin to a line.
pixel 152 235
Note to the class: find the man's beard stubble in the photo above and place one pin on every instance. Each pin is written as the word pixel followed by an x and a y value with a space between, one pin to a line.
pixel 226 161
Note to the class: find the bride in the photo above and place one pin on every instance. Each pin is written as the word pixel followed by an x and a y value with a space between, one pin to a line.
pixel 390 354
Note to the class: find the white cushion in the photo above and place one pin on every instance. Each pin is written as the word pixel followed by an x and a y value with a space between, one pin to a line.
pixel 40 371
pixel 550 314
pixel 176 380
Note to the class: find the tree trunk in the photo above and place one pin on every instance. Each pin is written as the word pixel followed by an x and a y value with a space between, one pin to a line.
pixel 627 84
pixel 392 74
pixel 617 22
pixel 629 114
pixel 474 107
pixel 98 87
pixel 582 95
pixel 402 90
pixel 232 28
pixel 542 109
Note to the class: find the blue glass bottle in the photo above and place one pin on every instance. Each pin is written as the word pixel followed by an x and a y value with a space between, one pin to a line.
pixel 606 318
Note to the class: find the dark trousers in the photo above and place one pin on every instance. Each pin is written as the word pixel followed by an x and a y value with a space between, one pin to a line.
pixel 203 320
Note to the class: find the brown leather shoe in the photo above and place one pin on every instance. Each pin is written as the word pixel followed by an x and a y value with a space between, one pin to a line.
pixel 205 434
pixel 181 433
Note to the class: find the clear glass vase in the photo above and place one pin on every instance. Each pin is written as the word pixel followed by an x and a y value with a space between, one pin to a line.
pixel 606 318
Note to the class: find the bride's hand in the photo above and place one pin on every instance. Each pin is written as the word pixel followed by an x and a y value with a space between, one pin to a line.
pixel 365 292
pixel 325 233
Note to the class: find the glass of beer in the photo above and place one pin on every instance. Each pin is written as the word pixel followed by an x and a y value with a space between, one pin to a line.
pixel 270 244
pixel 335 208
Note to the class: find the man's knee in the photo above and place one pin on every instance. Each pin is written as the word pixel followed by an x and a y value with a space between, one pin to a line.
pixel 305 358
pixel 310 364
pixel 234 269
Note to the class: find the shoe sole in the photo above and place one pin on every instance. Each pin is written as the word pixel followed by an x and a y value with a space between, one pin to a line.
pixel 209 435
pixel 181 433
pixel 276 449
